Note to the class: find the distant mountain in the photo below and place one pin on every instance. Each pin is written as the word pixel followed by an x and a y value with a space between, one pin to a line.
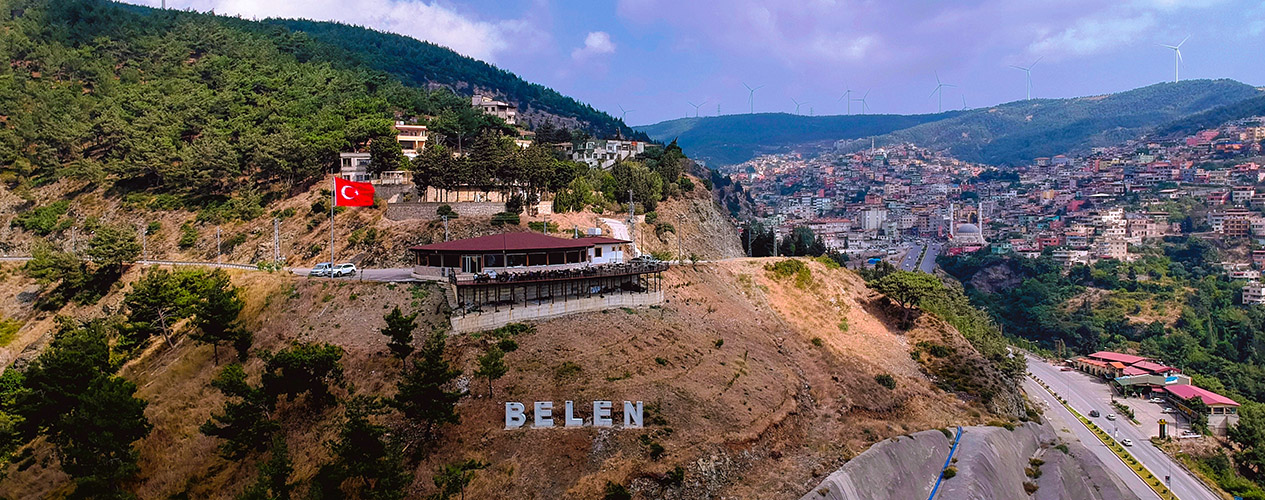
pixel 1213 117
pixel 1006 134
pixel 729 139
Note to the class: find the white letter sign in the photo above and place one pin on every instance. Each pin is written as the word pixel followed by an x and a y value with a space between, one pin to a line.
pixel 514 417
pixel 544 414
pixel 569 419
pixel 602 414
pixel 632 415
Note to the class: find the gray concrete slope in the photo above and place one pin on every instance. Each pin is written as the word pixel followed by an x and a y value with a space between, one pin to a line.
pixel 905 467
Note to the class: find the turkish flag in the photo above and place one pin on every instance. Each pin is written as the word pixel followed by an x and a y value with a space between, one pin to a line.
pixel 352 194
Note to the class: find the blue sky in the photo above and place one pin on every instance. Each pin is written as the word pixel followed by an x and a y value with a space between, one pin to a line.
pixel 655 56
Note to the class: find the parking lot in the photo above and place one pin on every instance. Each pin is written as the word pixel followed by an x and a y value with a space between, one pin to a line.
pixel 1147 413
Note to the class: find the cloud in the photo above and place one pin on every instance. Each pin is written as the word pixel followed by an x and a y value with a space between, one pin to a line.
pixel 1092 35
pixel 596 43
pixel 432 22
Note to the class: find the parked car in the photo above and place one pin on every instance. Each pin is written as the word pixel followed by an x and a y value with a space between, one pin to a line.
pixel 1093 413
pixel 344 270
pixel 1111 416
pixel 320 270
pixel 1126 442
pixel 1168 410
pixel 1156 400
pixel 1065 369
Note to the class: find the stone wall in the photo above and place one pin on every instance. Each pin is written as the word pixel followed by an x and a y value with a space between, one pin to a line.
pixel 477 322
pixel 426 210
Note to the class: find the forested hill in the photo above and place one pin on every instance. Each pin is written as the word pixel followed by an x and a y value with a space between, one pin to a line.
pixel 215 108
pixel 730 139
pixel 424 63
pixel 1006 134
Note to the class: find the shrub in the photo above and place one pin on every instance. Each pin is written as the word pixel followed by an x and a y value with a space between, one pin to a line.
pixel 1029 487
pixel 818 342
pixel 719 343
pixel 791 267
pixel 947 433
pixel 504 218
pixel 446 210
pixel 674 477
pixel 44 220
pixel 567 370
pixel 616 492
pixel 885 380
pixel 950 471
pixel 661 361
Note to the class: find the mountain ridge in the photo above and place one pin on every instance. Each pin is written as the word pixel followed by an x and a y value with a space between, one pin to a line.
pixel 1005 134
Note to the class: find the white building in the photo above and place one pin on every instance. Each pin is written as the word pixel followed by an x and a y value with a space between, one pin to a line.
pixel 600 153
pixel 499 109
pixel 872 219
pixel 1254 293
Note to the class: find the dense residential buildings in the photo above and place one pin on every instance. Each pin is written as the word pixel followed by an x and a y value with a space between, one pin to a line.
pixel 1074 208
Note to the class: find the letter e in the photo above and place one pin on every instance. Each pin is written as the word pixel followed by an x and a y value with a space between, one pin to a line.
pixel 602 414
pixel 632 415
pixel 544 414
pixel 514 417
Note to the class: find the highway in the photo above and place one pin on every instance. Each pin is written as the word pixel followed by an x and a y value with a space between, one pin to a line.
pixel 1060 419
pixel 911 258
pixel 928 263
pixel 1185 486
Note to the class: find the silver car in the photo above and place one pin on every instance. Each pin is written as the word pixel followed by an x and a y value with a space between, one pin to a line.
pixel 320 270
pixel 343 270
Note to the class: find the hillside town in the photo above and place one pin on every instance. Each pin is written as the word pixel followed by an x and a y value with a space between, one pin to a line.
pixel 1078 209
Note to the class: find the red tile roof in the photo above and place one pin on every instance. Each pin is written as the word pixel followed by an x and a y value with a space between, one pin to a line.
pixel 1153 367
pixel 1131 371
pixel 1127 359
pixel 1117 365
pixel 507 242
pixel 1185 391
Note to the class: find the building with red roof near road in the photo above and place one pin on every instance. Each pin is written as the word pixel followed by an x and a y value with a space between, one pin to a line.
pixel 1223 412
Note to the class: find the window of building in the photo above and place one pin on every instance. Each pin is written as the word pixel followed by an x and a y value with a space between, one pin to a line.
pixel 597 251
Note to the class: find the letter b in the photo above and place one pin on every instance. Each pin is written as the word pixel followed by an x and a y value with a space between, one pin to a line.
pixel 514 417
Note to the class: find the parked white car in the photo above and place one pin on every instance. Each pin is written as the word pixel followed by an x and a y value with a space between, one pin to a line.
pixel 1126 442
pixel 320 270
pixel 1111 416
pixel 1157 400
pixel 343 270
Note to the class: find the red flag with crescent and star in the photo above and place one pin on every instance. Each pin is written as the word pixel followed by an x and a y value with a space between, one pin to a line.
pixel 352 194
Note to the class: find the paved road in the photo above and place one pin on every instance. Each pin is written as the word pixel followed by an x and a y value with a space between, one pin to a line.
pixel 619 230
pixel 928 263
pixel 384 275
pixel 911 258
pixel 1185 486
pixel 1062 419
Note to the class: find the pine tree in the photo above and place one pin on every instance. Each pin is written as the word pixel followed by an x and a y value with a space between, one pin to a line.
pixel 303 368
pixel 399 329
pixel 492 366
pixel 452 479
pixel 244 423
pixel 94 440
pixel 366 460
pixel 421 395
pixel 273 482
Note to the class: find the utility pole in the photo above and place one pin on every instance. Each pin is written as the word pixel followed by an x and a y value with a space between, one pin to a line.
pixel 276 240
pixel 445 219
pixel 144 230
pixel 74 248
pixel 680 219
pixel 219 250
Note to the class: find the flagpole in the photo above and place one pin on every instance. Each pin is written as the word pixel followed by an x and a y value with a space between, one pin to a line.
pixel 333 200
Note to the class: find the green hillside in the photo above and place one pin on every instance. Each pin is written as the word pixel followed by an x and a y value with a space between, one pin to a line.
pixel 729 139
pixel 421 63
pixel 1006 134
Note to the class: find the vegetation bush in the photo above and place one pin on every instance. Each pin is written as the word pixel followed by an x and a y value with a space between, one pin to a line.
pixel 44 220
pixel 503 218
pixel 786 268
pixel 949 472
pixel 885 380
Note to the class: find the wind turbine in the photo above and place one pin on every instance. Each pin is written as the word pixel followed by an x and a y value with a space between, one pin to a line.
pixel 864 107
pixel 623 113
pixel 696 106
pixel 963 102
pixel 1177 57
pixel 751 96
pixel 1028 70
pixel 847 92
pixel 797 105
pixel 939 90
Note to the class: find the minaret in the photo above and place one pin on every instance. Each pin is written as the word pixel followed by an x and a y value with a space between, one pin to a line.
pixel 951 221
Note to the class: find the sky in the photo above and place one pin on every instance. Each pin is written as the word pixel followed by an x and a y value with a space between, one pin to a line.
pixel 658 58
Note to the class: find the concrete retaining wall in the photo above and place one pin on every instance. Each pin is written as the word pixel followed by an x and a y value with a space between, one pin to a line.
pixel 904 468
pixel 426 210
pixel 477 322
pixel 990 463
